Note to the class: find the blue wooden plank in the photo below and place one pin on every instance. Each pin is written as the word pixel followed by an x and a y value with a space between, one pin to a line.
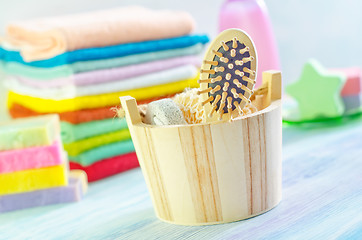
pixel 322 199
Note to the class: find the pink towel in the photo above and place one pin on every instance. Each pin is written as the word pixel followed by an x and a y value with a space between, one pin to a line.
pixel 112 74
pixel 45 38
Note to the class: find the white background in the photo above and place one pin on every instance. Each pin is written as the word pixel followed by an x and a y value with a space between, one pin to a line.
pixel 328 30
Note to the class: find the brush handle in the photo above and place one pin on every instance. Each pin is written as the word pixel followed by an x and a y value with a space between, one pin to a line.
pixel 227 75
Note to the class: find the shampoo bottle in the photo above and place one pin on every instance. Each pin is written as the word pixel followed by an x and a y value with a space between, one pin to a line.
pixel 252 17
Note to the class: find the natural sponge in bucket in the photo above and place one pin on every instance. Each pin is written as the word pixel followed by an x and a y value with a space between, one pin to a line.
pixel 164 112
pixel 191 106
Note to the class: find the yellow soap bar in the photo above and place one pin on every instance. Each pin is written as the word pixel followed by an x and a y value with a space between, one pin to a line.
pixel 33 179
pixel 80 174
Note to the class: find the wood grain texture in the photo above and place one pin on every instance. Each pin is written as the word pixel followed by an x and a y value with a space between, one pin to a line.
pixel 226 171
pixel 322 195
pixel 150 168
pixel 197 146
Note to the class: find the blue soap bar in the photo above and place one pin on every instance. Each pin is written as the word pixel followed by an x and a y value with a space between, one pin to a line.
pixel 352 103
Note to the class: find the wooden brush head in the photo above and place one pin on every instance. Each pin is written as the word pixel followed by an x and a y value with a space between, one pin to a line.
pixel 228 75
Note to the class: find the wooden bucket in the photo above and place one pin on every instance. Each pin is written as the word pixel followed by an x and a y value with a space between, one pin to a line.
pixel 202 174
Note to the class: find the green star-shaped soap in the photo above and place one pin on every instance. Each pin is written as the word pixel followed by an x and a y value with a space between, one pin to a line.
pixel 318 92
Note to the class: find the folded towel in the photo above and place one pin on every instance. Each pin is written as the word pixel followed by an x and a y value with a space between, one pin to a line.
pixel 110 99
pixel 74 132
pixel 111 74
pixel 105 151
pixel 71 91
pixel 17 69
pixel 108 167
pixel 80 116
pixel 106 52
pixel 86 115
pixel 83 145
pixel 48 37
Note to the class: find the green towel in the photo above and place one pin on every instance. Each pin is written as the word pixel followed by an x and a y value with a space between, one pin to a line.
pixel 106 151
pixel 74 132
pixel 77 147
pixel 14 68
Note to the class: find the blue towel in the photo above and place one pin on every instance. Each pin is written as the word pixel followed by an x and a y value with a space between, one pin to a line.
pixel 107 52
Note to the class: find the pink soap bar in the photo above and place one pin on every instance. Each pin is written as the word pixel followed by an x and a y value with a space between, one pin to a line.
pixel 353 81
pixel 31 158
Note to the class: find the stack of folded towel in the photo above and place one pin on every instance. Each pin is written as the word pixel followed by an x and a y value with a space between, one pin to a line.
pixel 79 65
pixel 33 165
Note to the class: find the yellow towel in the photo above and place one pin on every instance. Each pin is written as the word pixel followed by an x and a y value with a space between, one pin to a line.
pixel 33 179
pixel 109 99
pixel 80 146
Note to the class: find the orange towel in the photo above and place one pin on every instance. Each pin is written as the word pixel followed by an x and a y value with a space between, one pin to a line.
pixel 19 111
pixel 86 115
pixel 40 39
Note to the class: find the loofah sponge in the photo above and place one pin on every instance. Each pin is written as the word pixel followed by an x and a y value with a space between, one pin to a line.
pixel 249 109
pixel 164 112
pixel 191 106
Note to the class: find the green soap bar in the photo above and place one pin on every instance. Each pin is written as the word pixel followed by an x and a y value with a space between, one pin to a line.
pixel 106 151
pixel 317 92
pixel 74 132
pixel 29 132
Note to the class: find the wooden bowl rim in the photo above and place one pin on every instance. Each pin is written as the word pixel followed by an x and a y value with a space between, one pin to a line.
pixel 273 106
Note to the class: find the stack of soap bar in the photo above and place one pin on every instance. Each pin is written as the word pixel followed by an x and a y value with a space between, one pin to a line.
pixel 73 192
pixel 31 155
pixel 351 92
pixel 33 163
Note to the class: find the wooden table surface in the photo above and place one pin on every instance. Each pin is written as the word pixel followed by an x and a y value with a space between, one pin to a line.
pixel 322 199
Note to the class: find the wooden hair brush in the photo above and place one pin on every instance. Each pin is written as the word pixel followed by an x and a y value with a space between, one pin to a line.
pixel 228 75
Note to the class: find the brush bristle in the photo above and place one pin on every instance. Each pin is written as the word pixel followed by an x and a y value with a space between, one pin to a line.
pixel 230 79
